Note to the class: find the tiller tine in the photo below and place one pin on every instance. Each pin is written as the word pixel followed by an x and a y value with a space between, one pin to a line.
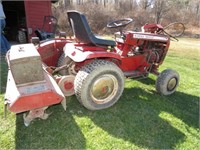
pixel 33 114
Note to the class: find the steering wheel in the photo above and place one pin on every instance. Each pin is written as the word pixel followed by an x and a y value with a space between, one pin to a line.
pixel 173 30
pixel 119 23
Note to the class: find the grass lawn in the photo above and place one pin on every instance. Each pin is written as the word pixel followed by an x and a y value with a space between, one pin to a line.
pixel 141 119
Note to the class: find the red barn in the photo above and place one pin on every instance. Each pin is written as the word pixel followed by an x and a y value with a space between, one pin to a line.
pixel 25 14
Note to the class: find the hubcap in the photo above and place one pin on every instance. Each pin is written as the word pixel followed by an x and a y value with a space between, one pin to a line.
pixel 66 84
pixel 172 84
pixel 104 89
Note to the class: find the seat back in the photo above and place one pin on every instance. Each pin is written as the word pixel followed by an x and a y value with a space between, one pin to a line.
pixel 80 27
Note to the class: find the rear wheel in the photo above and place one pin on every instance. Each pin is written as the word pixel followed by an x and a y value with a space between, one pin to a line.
pixel 99 85
pixel 22 37
pixel 167 82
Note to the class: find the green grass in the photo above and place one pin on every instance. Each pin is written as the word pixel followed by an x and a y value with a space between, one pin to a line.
pixel 141 119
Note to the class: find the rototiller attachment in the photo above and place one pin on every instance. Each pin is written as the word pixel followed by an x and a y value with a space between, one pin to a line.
pixel 29 85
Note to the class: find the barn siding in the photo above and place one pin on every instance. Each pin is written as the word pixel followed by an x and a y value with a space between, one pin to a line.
pixel 35 12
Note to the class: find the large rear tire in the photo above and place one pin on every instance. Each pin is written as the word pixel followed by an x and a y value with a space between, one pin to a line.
pixel 167 82
pixel 99 85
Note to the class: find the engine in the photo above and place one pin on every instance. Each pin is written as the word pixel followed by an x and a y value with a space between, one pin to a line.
pixel 155 51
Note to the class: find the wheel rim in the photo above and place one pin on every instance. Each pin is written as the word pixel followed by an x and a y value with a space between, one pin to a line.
pixel 172 84
pixel 66 84
pixel 104 89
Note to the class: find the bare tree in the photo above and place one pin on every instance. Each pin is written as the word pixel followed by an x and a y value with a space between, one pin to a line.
pixel 143 11
pixel 197 11
pixel 144 4
pixel 160 9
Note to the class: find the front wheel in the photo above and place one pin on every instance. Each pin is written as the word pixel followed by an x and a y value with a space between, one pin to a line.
pixel 167 82
pixel 99 85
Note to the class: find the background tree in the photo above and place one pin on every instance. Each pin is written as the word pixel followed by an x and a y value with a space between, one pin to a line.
pixel 100 12
pixel 161 7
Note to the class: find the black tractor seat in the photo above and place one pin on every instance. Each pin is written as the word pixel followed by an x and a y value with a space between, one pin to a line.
pixel 82 31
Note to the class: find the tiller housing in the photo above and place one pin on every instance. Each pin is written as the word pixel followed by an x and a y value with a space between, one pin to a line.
pixel 29 85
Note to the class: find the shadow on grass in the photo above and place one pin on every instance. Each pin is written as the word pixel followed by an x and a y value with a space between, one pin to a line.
pixel 137 118
pixel 187 106
pixel 134 118
pixel 59 131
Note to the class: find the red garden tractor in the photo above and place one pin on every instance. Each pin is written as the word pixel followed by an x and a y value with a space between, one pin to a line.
pixel 47 31
pixel 90 67
pixel 48 28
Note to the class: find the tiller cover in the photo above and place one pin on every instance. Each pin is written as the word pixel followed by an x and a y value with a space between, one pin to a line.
pixel 29 85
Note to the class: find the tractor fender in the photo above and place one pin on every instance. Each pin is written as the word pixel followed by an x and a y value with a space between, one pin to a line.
pixel 78 55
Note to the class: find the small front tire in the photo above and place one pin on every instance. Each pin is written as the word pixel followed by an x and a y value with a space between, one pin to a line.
pixel 167 82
